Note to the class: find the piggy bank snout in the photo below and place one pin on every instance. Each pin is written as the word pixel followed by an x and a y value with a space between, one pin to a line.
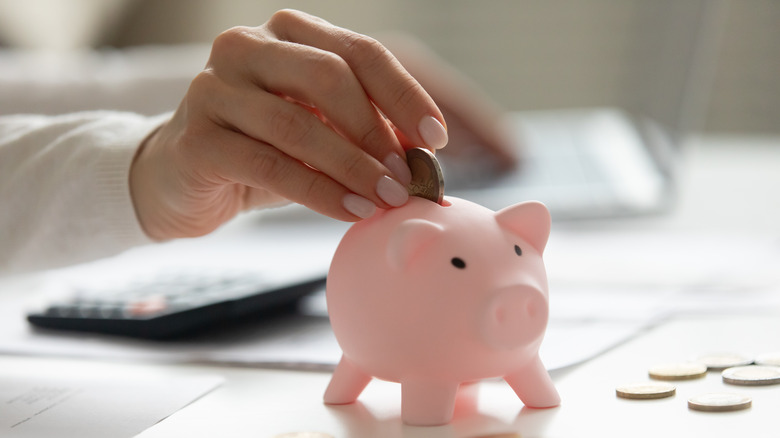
pixel 514 317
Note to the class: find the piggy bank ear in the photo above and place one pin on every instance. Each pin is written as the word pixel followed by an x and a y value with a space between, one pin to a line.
pixel 529 220
pixel 409 239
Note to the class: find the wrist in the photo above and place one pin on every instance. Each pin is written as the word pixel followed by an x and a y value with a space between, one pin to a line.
pixel 142 186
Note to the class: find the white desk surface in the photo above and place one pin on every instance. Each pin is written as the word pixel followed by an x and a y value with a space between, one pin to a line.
pixel 265 403
pixel 718 197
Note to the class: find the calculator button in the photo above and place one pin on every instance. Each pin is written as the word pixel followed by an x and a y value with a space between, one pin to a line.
pixel 148 306
pixel 61 311
pixel 108 311
pixel 86 311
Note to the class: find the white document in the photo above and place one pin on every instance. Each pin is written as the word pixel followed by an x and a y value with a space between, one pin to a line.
pixel 79 404
pixel 605 287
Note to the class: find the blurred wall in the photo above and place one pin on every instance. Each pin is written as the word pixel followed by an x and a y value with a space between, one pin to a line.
pixel 535 54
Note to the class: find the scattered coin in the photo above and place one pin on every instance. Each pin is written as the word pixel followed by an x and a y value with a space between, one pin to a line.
pixel 427 177
pixel 304 435
pixel 752 375
pixel 645 391
pixel 719 402
pixel 721 361
pixel 678 371
pixel 770 359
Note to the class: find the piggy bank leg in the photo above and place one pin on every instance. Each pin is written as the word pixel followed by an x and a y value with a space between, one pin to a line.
pixel 533 385
pixel 425 403
pixel 347 383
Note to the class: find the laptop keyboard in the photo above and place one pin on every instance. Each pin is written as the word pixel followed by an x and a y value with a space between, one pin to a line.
pixel 580 163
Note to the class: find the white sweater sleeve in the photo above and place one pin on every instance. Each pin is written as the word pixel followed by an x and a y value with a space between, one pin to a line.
pixel 64 191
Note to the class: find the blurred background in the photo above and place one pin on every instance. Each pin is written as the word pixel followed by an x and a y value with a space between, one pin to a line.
pixel 525 54
pixel 710 68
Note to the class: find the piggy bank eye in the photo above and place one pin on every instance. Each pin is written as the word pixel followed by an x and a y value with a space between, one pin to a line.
pixel 458 263
pixel 518 251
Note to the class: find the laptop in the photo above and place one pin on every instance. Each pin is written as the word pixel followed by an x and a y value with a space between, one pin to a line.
pixel 611 161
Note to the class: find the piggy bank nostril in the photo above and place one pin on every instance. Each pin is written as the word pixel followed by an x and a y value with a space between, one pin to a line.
pixel 500 315
pixel 530 309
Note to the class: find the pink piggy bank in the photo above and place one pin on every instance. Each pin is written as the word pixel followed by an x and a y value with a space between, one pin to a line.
pixel 433 296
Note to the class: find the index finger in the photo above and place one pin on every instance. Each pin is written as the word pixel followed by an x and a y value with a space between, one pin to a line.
pixel 392 89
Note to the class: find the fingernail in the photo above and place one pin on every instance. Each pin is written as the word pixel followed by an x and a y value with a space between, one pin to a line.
pixel 398 166
pixel 391 191
pixel 358 205
pixel 432 132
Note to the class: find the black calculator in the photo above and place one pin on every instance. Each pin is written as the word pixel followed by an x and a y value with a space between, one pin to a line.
pixel 173 304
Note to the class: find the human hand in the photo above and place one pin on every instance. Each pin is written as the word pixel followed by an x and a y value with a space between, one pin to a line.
pixel 288 111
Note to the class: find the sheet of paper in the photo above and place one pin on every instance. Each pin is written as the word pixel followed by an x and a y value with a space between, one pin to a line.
pixel 604 288
pixel 582 324
pixel 41 399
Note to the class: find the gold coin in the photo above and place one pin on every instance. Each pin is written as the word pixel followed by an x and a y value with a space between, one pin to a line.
pixel 719 402
pixel 645 391
pixel 678 371
pixel 770 359
pixel 721 361
pixel 304 435
pixel 752 375
pixel 427 177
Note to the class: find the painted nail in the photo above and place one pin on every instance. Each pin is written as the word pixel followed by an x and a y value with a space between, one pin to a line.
pixel 398 166
pixel 358 205
pixel 391 191
pixel 432 132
